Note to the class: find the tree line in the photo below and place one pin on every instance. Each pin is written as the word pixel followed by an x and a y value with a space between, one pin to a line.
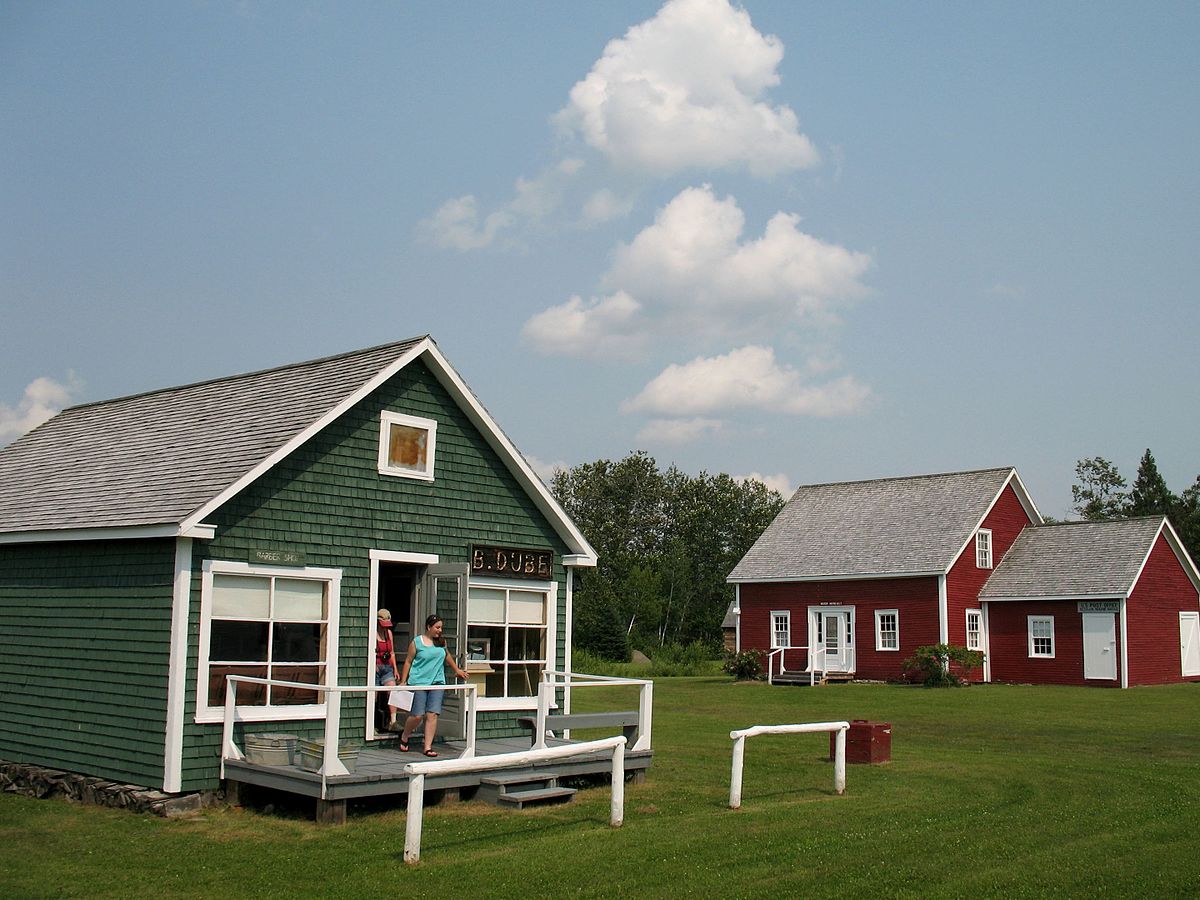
pixel 1101 493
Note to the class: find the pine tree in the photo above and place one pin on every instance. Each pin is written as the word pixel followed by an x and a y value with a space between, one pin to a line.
pixel 1150 495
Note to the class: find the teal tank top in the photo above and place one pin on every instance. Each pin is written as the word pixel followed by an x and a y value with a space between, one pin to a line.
pixel 428 665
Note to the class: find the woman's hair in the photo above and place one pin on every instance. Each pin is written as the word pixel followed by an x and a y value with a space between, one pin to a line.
pixel 429 623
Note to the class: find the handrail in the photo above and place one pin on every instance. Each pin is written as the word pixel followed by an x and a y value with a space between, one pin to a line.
pixel 332 765
pixel 552 678
pixel 417 772
pixel 739 752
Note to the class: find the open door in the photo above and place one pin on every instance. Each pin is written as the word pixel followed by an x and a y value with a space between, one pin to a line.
pixel 444 593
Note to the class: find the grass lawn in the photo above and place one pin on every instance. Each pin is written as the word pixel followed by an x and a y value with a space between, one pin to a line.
pixel 993 791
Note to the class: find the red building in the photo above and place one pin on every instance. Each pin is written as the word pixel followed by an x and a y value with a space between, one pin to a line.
pixel 851 578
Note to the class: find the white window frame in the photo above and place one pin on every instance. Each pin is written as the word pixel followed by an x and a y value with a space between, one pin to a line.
pixel 978 645
pixel 550 588
pixel 333 594
pixel 387 419
pixel 1040 619
pixel 786 616
pixel 983 548
pixel 879 643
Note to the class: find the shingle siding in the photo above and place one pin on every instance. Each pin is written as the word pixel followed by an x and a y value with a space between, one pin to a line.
pixel 84 641
pixel 1163 591
pixel 328 500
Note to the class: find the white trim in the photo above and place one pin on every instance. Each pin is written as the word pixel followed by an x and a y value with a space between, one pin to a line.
pixel 403 556
pixel 106 533
pixel 1166 529
pixel 388 418
pixel 1029 620
pixel 737 618
pixel 980 534
pixel 1124 644
pixel 1037 598
pixel 943 611
pixel 568 627
pixel 550 589
pixel 867 576
pixel 578 560
pixel 879 614
pixel 177 668
pixel 987 653
pixel 787 614
pixel 1191 616
pixel 1027 504
pixel 967 632
pixel 206 713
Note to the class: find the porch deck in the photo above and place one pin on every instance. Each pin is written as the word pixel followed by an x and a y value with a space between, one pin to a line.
pixel 380 769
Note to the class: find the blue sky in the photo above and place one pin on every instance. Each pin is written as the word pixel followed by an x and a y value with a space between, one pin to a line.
pixel 808 241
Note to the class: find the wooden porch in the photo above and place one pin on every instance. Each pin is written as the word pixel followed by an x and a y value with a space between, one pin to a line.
pixel 380 772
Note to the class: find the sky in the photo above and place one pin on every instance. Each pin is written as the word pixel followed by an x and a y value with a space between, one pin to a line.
pixel 807 242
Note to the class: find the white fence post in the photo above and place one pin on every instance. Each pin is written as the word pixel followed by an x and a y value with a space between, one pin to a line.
pixel 735 780
pixel 839 761
pixel 412 819
pixel 645 716
pixel 617 808
pixel 545 692
pixel 739 753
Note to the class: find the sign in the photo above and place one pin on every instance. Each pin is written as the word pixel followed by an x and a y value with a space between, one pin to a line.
pixel 277 557
pixel 512 562
pixel 1101 606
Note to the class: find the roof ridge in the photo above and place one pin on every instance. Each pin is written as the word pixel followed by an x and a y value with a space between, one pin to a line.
pixel 907 477
pixel 1121 521
pixel 235 377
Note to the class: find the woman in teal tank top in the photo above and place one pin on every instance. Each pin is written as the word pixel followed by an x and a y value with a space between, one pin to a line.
pixel 426 664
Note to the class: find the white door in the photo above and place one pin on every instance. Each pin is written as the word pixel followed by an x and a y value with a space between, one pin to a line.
pixel 1100 646
pixel 1189 643
pixel 836 640
pixel 444 591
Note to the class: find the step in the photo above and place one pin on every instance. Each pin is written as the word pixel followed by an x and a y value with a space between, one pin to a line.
pixel 518 777
pixel 520 799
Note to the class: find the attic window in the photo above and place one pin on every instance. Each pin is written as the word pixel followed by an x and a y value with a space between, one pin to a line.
pixel 983 548
pixel 406 446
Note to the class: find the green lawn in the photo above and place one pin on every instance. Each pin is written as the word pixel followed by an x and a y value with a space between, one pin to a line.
pixel 993 791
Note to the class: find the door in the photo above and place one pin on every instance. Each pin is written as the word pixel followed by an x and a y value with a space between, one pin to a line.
pixel 836 639
pixel 1189 643
pixel 444 592
pixel 1100 646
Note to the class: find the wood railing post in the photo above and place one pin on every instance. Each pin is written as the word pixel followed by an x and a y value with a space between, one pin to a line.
pixel 617 817
pixel 839 762
pixel 412 819
pixel 735 780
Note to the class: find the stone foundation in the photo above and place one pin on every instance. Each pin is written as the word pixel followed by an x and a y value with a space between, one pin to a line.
pixel 40 782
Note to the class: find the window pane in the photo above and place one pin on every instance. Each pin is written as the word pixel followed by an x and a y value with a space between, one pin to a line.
pixel 289 696
pixel 485 605
pixel 299 599
pixel 527 607
pixel 241 595
pixel 523 680
pixel 247 694
pixel 484 643
pixel 237 641
pixel 406 447
pixel 526 643
pixel 296 642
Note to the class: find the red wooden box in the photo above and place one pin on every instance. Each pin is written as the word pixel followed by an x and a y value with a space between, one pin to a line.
pixel 866 742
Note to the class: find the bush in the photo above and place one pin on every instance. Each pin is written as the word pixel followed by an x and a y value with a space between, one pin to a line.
pixel 942 665
pixel 669 660
pixel 744 666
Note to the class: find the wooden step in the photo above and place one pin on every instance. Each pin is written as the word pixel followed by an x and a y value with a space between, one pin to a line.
pixel 520 799
pixel 519 776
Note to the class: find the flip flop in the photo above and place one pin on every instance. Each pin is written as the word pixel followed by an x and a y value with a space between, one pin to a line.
pixel 430 752
pixel 404 746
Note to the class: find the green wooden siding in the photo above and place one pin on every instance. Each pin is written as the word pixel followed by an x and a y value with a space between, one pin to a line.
pixel 328 500
pixel 84 649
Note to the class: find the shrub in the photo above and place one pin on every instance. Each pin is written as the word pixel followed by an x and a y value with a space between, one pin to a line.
pixel 744 666
pixel 942 665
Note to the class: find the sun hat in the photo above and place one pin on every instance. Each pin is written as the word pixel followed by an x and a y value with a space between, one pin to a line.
pixel 385 618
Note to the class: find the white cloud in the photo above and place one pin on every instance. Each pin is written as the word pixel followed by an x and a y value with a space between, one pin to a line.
pixel 684 90
pixel 678 431
pixel 777 482
pixel 746 378
pixel 42 398
pixel 604 205
pixel 601 327
pixel 545 470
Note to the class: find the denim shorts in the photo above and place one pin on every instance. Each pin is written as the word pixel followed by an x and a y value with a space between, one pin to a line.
pixel 384 674
pixel 427 702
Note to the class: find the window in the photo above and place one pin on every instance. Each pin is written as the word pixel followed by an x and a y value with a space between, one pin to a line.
pixel 974 629
pixel 983 548
pixel 1041 636
pixel 781 628
pixel 509 638
pixel 266 622
pixel 887 629
pixel 406 446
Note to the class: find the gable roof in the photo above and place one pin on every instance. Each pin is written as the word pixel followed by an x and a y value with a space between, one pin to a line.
pixel 872 529
pixel 155 464
pixel 1080 559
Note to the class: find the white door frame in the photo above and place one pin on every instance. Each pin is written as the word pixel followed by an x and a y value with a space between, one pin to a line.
pixel 1189 640
pixel 1103 646
pixel 845 660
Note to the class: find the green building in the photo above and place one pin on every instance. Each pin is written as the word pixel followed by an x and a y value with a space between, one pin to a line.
pixel 152 545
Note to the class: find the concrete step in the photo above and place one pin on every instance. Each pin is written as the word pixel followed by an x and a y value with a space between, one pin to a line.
pixel 523 798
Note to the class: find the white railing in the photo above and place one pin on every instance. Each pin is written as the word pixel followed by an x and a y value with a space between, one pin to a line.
pixel 330 763
pixel 417 772
pixel 813 668
pixel 553 679
pixel 739 752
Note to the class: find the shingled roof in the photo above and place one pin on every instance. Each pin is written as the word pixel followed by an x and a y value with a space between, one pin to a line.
pixel 1074 559
pixel 888 527
pixel 162 460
